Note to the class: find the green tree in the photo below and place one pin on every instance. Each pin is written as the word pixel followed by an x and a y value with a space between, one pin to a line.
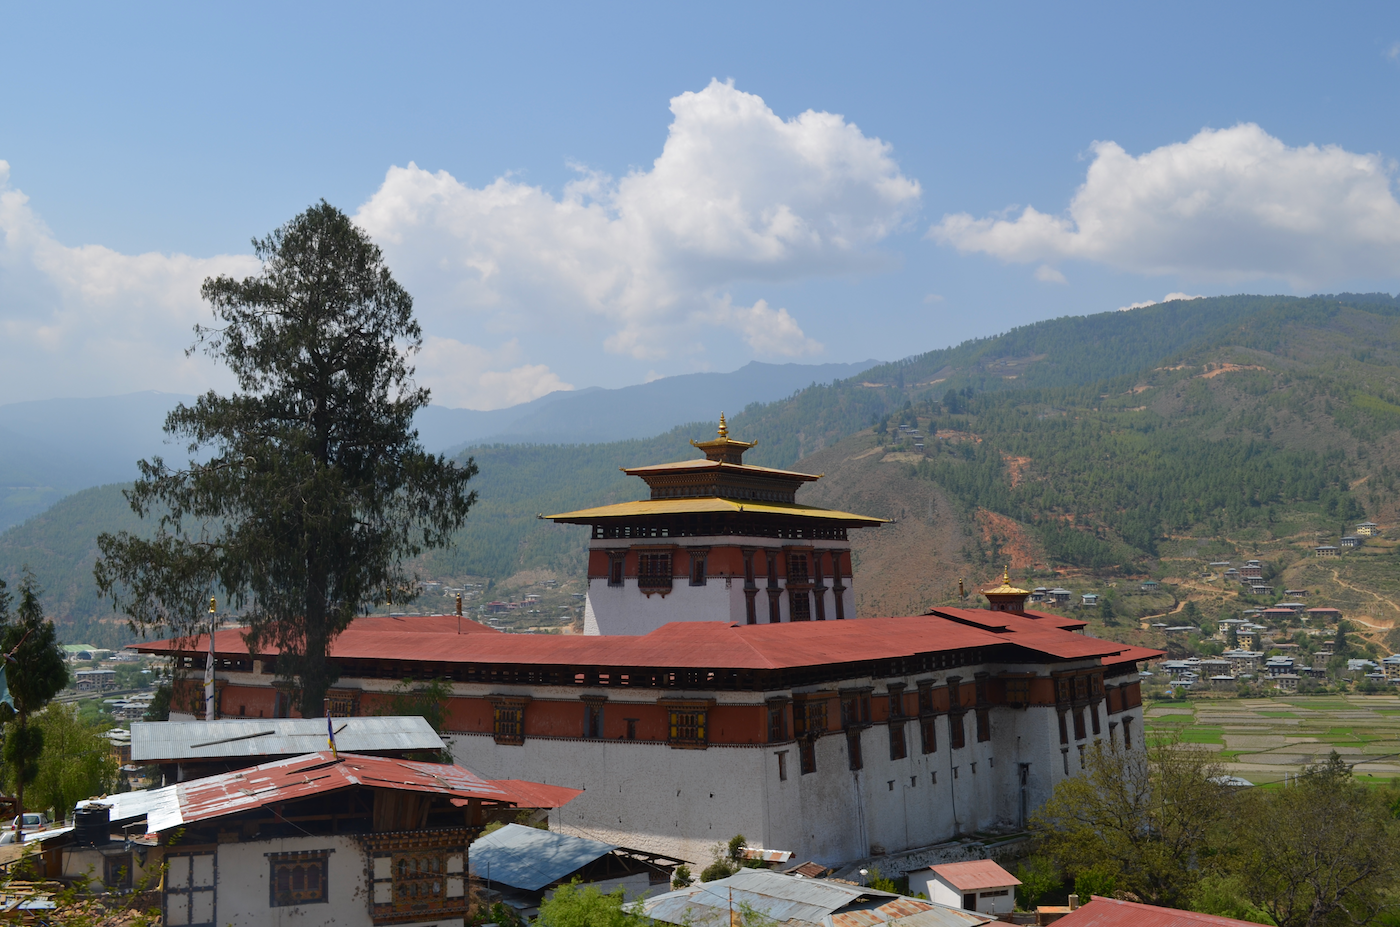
pixel 76 761
pixel 35 672
pixel 1321 852
pixel 427 701
pixel 575 905
pixel 1136 819
pixel 318 490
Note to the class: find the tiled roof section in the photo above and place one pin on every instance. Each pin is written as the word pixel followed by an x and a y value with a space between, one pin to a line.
pixel 711 505
pixel 703 644
pixel 975 875
pixel 318 773
pixel 1110 912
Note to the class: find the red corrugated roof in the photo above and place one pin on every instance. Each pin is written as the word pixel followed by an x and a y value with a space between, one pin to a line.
pixel 318 773
pixel 694 644
pixel 975 875
pixel 1110 912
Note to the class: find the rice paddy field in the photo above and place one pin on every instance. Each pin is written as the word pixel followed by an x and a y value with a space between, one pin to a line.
pixel 1264 739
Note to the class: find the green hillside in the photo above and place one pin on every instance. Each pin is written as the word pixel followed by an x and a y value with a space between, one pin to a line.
pixel 1105 436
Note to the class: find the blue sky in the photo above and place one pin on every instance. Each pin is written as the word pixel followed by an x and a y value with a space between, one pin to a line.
pixel 582 197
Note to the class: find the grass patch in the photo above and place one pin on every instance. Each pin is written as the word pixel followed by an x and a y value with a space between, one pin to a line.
pixel 1173 720
pixel 1278 714
pixel 1203 735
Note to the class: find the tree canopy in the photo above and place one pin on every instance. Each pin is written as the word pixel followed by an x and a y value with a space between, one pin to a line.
pixel 315 488
pixel 34 671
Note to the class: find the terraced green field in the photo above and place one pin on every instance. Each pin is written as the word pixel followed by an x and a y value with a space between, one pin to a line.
pixel 1263 739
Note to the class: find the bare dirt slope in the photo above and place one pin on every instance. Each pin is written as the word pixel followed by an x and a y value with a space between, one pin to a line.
pixel 916 561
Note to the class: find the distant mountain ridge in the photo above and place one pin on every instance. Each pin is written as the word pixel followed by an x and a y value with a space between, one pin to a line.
pixel 1090 443
pixel 50 448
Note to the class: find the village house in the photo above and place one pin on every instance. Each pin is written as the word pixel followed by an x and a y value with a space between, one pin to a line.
pixel 95 680
pixel 1090 599
pixel 1325 550
pixel 1252 569
pixel 1326 614
pixel 321 838
pixel 1111 912
pixel 1243 661
pixel 977 885
pixel 526 864
pixel 1352 540
pixel 1368 529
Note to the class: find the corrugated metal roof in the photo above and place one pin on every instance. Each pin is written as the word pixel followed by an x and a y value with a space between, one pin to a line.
pixel 702 644
pixel 975 875
pixel 179 741
pixel 798 902
pixel 530 858
pixel 314 774
pixel 1110 912
pixel 712 505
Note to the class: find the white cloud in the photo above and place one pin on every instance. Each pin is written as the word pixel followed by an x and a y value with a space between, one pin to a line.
pixel 1230 204
pixel 466 376
pixel 932 298
pixel 766 330
pixel 737 194
pixel 1047 274
pixel 88 320
pixel 1393 53
pixel 1169 298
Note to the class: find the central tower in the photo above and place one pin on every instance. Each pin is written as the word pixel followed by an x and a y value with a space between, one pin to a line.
pixel 719 540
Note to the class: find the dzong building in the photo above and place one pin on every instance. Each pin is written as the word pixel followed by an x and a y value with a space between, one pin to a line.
pixel 726 688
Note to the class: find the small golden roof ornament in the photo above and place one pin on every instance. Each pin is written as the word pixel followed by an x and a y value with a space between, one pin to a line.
pixel 1006 588
pixel 724 449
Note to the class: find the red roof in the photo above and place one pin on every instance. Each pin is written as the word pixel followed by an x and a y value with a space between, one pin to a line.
pixel 318 773
pixel 975 875
pixel 1110 912
pixel 695 644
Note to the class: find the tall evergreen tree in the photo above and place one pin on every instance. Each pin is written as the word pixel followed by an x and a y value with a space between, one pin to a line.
pixel 318 489
pixel 34 672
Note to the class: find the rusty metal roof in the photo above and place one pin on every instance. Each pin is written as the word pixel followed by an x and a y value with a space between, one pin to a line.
pixel 698 644
pixel 975 875
pixel 1110 912
pixel 319 773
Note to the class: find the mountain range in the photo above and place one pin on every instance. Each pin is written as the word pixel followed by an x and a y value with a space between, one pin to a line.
pixel 1105 448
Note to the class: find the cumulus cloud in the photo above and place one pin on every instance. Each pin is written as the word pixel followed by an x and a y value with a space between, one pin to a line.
pixel 89 320
pixel 1047 274
pixel 1230 204
pixel 738 194
pixel 466 376
pixel 1169 298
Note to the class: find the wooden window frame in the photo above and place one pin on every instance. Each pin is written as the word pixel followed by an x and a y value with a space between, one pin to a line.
pixel 957 735
pixel 508 720
pixel 189 889
pixel 854 757
pixel 899 747
pixel 928 734
pixel 777 721
pixel 687 724
pixel 799 605
pixel 594 718
pixel 655 571
pixel 807 755
pixel 984 725
pixel 402 864
pixel 698 557
pixel 284 868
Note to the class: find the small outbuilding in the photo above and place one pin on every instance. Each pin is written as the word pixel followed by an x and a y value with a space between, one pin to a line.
pixel 977 885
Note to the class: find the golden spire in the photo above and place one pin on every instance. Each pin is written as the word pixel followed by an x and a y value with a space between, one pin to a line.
pixel 724 449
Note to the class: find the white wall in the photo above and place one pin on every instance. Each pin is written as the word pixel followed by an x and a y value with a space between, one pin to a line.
pixel 681 803
pixel 242 893
pixel 627 610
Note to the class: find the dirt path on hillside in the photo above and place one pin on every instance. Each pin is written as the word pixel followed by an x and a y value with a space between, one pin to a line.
pixel 1379 598
pixel 1147 619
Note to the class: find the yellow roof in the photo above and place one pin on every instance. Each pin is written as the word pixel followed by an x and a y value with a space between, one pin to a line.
pixel 708 505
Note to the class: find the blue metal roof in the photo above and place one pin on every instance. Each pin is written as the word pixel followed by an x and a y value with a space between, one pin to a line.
pixel 529 858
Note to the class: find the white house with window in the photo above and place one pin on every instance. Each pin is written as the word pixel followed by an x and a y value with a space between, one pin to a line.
pixel 315 839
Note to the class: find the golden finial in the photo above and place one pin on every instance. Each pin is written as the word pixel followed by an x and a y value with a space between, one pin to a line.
pixel 723 428
pixel 211 605
pixel 1006 575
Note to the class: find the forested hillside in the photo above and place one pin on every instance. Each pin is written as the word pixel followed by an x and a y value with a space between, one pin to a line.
pixel 1103 436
